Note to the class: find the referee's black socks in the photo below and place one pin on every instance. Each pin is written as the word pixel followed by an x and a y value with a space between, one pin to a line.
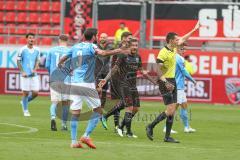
pixel 169 123
pixel 159 118
pixel 128 121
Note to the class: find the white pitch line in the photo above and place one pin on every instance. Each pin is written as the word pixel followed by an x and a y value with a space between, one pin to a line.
pixel 30 129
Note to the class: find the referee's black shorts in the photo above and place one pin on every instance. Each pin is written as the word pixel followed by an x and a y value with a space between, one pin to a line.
pixel 168 97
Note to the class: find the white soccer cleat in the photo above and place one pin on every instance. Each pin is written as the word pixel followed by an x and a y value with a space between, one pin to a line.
pixel 131 135
pixel 189 130
pixel 172 131
pixel 26 114
pixel 120 132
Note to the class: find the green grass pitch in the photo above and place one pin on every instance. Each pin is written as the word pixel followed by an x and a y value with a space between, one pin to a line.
pixel 217 136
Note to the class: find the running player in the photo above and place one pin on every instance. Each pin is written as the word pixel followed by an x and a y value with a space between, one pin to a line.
pixel 83 84
pixel 27 61
pixel 127 67
pixel 166 67
pixel 57 97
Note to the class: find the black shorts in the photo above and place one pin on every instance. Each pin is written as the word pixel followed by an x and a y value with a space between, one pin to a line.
pixel 129 95
pixel 168 97
pixel 115 87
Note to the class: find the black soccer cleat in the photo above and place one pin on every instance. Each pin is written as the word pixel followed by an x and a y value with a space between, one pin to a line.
pixel 149 132
pixel 171 140
pixel 53 125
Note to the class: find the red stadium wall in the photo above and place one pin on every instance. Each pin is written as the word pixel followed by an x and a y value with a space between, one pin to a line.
pixel 217 76
pixel 215 72
pixel 217 20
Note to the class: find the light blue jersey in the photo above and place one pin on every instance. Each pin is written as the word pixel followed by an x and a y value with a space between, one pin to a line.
pixel 83 62
pixel 52 60
pixel 28 58
pixel 181 73
pixel 53 57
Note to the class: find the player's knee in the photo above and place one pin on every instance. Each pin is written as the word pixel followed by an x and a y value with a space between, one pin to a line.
pixel 35 94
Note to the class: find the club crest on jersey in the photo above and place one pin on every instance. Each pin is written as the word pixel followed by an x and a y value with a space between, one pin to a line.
pixel 232 86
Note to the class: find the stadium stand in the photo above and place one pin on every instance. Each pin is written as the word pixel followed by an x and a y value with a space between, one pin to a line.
pixel 17 17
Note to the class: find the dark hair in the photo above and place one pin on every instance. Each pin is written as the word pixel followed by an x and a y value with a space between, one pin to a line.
pixel 170 36
pixel 125 34
pixel 30 34
pixel 133 40
pixel 122 23
pixel 63 37
pixel 89 33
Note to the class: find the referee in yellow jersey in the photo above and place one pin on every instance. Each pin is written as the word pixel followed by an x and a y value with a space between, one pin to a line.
pixel 166 66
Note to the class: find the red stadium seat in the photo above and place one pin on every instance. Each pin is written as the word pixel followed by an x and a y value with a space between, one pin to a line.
pixel 33 6
pixel 45 30
pixel 2 28
pixel 22 40
pixel 55 32
pixel 45 6
pixel 22 17
pixel 10 17
pixel 56 6
pixel 33 17
pixel 2 6
pixel 12 40
pixel 46 41
pixel 21 6
pixel 1 17
pixel 21 29
pixel 45 18
pixel 11 28
pixel 10 5
pixel 56 18
pixel 33 28
pixel 1 40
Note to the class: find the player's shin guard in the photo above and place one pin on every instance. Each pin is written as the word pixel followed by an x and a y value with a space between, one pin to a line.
pixel 119 106
pixel 25 103
pixel 169 123
pixel 92 123
pixel 53 108
pixel 128 121
pixel 184 117
pixel 65 111
pixel 74 126
pixel 116 118
pixel 159 118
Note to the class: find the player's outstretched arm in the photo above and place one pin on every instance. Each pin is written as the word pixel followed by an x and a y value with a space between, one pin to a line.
pixel 189 34
pixel 113 71
pixel 112 52
pixel 145 74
